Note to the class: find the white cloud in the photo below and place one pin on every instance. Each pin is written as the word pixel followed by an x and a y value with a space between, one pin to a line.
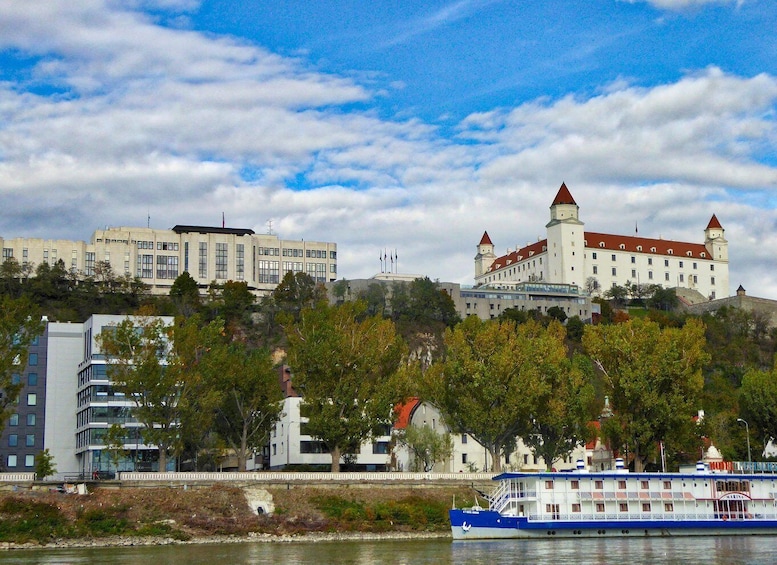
pixel 683 4
pixel 182 127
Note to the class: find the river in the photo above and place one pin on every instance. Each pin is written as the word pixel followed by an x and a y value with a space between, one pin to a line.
pixel 656 551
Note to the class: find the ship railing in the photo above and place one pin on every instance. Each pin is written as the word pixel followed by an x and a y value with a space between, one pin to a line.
pixel 650 516
pixel 507 494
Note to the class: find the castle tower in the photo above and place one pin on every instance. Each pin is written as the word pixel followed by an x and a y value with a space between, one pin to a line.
pixel 566 241
pixel 714 241
pixel 485 257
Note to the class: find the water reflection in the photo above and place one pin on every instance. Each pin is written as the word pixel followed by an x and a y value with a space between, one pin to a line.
pixel 706 550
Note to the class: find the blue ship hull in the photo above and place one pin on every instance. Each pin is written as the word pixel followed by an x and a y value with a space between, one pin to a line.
pixel 488 524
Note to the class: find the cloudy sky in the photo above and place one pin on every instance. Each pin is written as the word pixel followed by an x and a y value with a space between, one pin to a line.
pixel 412 126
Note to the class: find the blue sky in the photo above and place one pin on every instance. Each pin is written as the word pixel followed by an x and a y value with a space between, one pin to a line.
pixel 410 126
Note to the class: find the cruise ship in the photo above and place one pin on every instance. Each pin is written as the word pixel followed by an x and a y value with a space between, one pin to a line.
pixel 622 504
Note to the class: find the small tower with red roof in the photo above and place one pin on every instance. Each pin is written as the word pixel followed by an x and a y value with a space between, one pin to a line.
pixel 485 257
pixel 566 241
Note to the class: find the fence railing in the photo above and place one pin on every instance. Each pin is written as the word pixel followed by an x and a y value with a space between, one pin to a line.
pixel 17 477
pixel 284 477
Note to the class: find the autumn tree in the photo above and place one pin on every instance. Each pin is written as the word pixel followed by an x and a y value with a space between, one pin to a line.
pixel 20 326
pixel 347 368
pixel 160 367
pixel 249 398
pixel 653 378
pixel 185 294
pixel 426 445
pixel 560 421
pixel 494 377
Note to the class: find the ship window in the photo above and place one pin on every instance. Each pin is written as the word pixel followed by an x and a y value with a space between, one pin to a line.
pixel 575 485
pixel 624 506
pixel 646 507
pixel 576 507
pixel 668 507
pixel 600 506
pixel 667 485
pixel 644 485
pixel 599 485
pixel 622 485
pixel 548 485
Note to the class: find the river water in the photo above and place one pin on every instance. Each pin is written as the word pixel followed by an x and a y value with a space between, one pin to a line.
pixel 658 551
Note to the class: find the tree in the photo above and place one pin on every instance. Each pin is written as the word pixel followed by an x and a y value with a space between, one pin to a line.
pixel 295 292
pixel 663 299
pixel 617 294
pixel 557 313
pixel 426 445
pixel 185 294
pixel 758 397
pixel 560 421
pixel 20 326
pixel 347 370
pixel 493 378
pixel 653 378
pixel 44 464
pixel 575 328
pixel 161 368
pixel 249 401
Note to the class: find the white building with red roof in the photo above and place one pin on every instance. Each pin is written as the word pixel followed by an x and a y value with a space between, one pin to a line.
pixel 592 260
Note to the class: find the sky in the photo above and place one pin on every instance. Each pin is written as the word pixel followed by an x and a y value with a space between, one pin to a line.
pixel 394 125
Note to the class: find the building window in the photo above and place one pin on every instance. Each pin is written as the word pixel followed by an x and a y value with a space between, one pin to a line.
pixel 624 506
pixel 548 485
pixel 593 255
pixel 622 485
pixel 633 259
pixel 600 506
pixel 613 256
pixel 666 277
pixel 682 277
pixel 575 485
pixel 644 485
pixel 694 266
pixel 29 461
pixel 596 270
pixel 32 399
pixel 221 261
pixel 12 461
pixel 30 440
pixel 576 507
pixel 203 260
pixel 667 485
pixel 614 272
pixel 31 419
pixel 32 360
pixel 32 379
pixel 13 440
pixel 666 262
pixel 712 281
pixel 668 507
pixel 463 438
pixel 681 264
pixel 650 260
pixel 89 264
pixel 240 261
pixel 633 273
pixel 712 267
pixel 646 507
pixel 598 485
pixel 464 458
pixel 166 266
pixel 13 420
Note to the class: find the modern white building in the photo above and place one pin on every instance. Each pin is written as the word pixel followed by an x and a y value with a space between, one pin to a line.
pixel 572 256
pixel 157 256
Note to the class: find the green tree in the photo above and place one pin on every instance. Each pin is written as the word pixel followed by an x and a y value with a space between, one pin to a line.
pixel 575 328
pixel 249 398
pixel 557 313
pixel 560 421
pixel 758 398
pixel 44 464
pixel 185 294
pixel 295 292
pixel 618 294
pixel 20 326
pixel 493 377
pixel 114 440
pixel 653 377
pixel 347 370
pixel 426 446
pixel 663 299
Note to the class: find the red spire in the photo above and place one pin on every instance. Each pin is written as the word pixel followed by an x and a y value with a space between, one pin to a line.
pixel 714 223
pixel 563 196
pixel 485 240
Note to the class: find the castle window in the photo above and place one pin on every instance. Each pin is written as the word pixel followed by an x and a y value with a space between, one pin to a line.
pixel 650 260
pixel 670 251
pixel 712 267
pixel 702 254
pixel 633 273
pixel 666 277
pixel 601 244
pixel 666 262
pixel 622 246
pixel 689 253
pixel 633 259
pixel 712 281
pixel 639 248
pixel 614 272
pixel 682 278
pixel 593 255
pixel 681 264
pixel 652 249
pixel 613 256
pixel 650 275
pixel 596 270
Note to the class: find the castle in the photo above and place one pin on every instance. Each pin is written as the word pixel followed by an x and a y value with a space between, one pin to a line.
pixel 596 261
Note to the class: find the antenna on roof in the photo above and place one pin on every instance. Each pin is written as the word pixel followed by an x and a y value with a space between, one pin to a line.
pixel 269 227
pixel 148 220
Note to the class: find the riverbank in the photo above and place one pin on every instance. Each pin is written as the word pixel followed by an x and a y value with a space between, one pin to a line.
pixel 223 514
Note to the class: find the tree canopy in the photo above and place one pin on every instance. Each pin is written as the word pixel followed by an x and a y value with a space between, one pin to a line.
pixel 347 368
pixel 653 377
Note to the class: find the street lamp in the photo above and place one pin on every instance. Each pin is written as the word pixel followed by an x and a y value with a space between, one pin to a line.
pixel 747 428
